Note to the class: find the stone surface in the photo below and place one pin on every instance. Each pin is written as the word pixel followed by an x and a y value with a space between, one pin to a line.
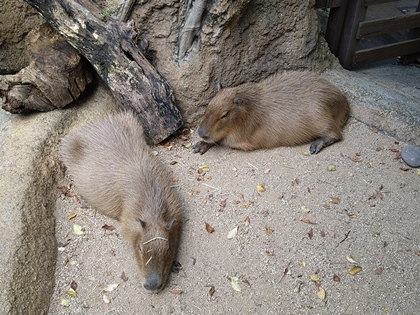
pixel 411 155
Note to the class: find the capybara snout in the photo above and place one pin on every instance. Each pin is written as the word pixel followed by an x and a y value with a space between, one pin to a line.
pixel 114 169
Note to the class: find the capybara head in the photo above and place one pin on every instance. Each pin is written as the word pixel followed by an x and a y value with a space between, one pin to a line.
pixel 226 113
pixel 155 243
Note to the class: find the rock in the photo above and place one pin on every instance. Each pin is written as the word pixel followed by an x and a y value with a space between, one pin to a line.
pixel 411 155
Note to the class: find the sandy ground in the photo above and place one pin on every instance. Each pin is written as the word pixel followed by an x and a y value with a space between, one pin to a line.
pixel 296 240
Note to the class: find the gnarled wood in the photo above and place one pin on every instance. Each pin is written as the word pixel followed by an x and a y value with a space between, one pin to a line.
pixel 109 46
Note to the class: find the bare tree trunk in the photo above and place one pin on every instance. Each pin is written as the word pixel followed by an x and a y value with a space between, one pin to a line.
pixel 109 46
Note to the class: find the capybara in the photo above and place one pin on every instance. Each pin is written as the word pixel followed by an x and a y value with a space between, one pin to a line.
pixel 283 110
pixel 114 169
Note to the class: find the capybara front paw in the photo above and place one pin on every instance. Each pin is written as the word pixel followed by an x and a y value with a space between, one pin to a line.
pixel 201 147
pixel 316 146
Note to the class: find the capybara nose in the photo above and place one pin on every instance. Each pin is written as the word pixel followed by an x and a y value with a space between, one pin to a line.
pixel 153 283
pixel 202 132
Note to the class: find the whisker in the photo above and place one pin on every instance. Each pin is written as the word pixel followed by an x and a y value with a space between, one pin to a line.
pixel 155 238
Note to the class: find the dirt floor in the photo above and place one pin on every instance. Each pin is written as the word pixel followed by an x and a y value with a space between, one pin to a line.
pixel 296 244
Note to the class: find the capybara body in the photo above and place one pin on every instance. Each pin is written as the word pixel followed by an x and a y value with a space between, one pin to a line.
pixel 114 169
pixel 283 110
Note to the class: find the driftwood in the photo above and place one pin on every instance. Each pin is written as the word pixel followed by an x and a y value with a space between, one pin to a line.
pixel 109 45
pixel 55 77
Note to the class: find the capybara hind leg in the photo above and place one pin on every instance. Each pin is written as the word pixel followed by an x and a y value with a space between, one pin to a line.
pixel 202 147
pixel 321 143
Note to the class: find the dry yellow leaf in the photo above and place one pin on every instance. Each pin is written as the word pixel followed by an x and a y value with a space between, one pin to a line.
pixel 205 168
pixel 72 293
pixel 352 215
pixel 269 253
pixel 72 215
pixel 188 145
pixel 350 259
pixel 234 281
pixel 303 263
pixel 331 167
pixel 305 153
pixel 65 302
pixel 355 270
pixel 77 229
pixel 260 188
pixel 314 278
pixel 269 230
pixel 320 293
pixel 232 233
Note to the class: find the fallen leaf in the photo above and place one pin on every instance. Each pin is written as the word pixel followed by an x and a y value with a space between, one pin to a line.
pixel 326 206
pixel 379 271
pixel 303 263
pixel 336 278
pixel 72 292
pixel 269 230
pixel 335 200
pixel 205 168
pixel 212 291
pixel 77 229
pixel 209 228
pixel 356 159
pixel 310 233
pixel 232 233
pixel 352 215
pixel 305 153
pixel 65 302
pixel 314 278
pixel 350 259
pixel 73 285
pixel 331 167
pixel 187 145
pixel 72 215
pixel 234 282
pixel 247 221
pixel 223 203
pixel 355 270
pixel 173 162
pixel 269 253
pixel 106 299
pixel 124 277
pixel 260 188
pixel 111 287
pixel 307 221
pixel 108 227
pixel 321 293
pixel 267 171
pixel 177 292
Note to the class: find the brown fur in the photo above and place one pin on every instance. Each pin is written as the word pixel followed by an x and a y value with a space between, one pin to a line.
pixel 113 168
pixel 283 110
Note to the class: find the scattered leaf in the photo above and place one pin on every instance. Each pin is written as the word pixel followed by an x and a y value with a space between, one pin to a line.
pixel 232 233
pixel 77 229
pixel 314 278
pixel 106 299
pixel 177 292
pixel 72 292
pixel 234 282
pixel 370 165
pixel 212 291
pixel 247 221
pixel 355 270
pixel 269 253
pixel 379 271
pixel 310 233
pixel 223 203
pixel 73 285
pixel 335 200
pixel 209 228
pixel 307 221
pixel 173 162
pixel 306 209
pixel 356 159
pixel 187 145
pixel 267 171
pixel 321 293
pixel 385 309
pixel 269 230
pixel 336 278
pixel 124 277
pixel 205 168
pixel 108 227
pixel 352 215
pixel 331 167
pixel 305 153
pixel 350 259
pixel 260 188
pixel 72 215
pixel 65 302
pixel 111 287
pixel 303 263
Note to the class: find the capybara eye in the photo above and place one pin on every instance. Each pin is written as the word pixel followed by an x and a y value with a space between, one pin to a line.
pixel 224 115
pixel 142 223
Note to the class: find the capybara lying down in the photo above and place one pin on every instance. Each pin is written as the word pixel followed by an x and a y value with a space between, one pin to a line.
pixel 114 169
pixel 283 110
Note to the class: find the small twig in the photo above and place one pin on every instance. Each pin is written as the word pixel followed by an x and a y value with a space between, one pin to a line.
pixel 345 237
pixel 286 270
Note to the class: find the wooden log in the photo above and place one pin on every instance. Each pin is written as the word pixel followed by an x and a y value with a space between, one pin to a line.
pixel 55 77
pixel 109 45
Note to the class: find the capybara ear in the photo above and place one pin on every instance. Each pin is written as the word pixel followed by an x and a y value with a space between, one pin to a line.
pixel 219 86
pixel 238 101
pixel 143 224
pixel 170 223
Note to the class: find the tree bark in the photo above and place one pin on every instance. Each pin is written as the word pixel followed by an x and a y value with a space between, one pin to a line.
pixel 109 46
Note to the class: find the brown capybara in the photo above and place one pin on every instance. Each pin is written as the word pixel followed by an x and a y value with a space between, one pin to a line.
pixel 114 169
pixel 283 110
